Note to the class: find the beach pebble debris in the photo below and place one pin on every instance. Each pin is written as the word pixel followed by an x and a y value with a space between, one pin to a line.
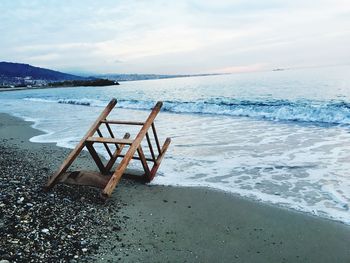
pixel 65 225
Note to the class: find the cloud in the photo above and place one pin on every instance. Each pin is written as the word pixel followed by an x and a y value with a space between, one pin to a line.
pixel 185 36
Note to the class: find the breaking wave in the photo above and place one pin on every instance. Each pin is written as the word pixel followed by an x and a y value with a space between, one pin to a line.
pixel 326 112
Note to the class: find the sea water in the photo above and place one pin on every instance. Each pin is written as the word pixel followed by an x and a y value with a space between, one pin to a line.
pixel 279 137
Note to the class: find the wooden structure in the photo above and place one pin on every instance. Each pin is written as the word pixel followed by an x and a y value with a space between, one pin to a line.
pixel 106 179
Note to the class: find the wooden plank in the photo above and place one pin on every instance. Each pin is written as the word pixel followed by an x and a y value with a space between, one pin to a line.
pixel 123 122
pixel 116 153
pixel 156 137
pixel 87 178
pixel 105 144
pixel 109 140
pixel 159 159
pixel 73 155
pixel 137 158
pixel 150 147
pixel 144 162
pixel 107 191
pixel 96 158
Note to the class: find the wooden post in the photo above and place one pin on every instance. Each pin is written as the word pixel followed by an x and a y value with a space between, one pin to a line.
pixel 107 191
pixel 156 137
pixel 159 159
pixel 144 162
pixel 150 147
pixel 73 155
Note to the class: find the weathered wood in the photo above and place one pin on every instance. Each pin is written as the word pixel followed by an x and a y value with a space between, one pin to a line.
pixel 73 155
pixel 123 122
pixel 94 154
pixel 105 180
pixel 159 159
pixel 143 162
pixel 111 133
pixel 105 144
pixel 116 153
pixel 150 147
pixel 137 158
pixel 156 137
pixel 84 178
pixel 107 191
pixel 109 140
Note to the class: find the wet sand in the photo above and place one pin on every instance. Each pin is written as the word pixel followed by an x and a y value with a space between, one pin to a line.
pixel 147 223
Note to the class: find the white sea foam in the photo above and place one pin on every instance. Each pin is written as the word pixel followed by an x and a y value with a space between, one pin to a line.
pixel 335 112
pixel 296 167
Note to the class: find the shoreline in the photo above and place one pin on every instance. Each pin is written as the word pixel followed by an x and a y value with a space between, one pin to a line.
pixel 194 224
pixel 32 124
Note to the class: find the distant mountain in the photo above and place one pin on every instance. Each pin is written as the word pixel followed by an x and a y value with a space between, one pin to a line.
pixel 10 70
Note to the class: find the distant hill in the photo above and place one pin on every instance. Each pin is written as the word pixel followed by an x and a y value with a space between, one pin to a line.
pixel 18 70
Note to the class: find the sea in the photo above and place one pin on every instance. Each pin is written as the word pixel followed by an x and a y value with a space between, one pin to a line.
pixel 277 137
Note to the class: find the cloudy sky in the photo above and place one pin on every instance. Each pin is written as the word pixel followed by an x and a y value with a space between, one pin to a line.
pixel 175 37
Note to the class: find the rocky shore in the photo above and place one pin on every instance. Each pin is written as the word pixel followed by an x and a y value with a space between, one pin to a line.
pixel 64 225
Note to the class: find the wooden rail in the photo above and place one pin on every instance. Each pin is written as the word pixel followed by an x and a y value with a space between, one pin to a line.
pixel 123 122
pixel 109 140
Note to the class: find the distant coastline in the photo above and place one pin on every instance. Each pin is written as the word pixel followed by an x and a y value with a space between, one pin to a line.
pixel 84 83
pixel 64 84
pixel 19 76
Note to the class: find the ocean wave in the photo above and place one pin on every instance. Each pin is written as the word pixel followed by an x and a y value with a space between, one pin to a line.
pixel 326 112
pixel 81 102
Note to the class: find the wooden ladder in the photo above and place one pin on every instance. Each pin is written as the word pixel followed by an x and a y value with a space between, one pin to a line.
pixel 107 180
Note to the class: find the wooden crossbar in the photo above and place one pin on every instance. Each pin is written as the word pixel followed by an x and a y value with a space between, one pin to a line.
pixel 109 140
pixel 123 122
pixel 106 179
pixel 138 158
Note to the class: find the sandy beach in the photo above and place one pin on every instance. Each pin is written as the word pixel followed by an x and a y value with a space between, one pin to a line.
pixel 143 223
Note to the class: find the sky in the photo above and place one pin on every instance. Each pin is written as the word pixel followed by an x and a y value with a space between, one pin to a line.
pixel 175 37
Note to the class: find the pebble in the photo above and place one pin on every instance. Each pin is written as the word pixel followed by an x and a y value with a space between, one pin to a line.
pixel 14 182
pixel 45 231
